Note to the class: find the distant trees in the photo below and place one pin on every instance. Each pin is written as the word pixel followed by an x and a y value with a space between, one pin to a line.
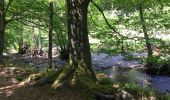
pixel 128 8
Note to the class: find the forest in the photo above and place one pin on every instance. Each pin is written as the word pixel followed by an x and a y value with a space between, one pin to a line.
pixel 84 49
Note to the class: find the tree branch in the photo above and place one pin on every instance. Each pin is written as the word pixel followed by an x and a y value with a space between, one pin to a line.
pixel 8 5
pixel 11 19
pixel 110 26
pixel 92 18
pixel 34 26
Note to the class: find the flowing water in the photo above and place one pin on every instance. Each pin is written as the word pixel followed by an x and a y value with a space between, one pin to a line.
pixel 128 71
pixel 160 84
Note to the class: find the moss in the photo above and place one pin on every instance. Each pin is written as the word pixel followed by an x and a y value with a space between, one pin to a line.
pixel 49 77
pixel 19 79
pixel 105 81
pixel 72 74
pixel 91 86
pixel 64 75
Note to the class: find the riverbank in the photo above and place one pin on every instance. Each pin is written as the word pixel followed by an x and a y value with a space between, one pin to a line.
pixel 99 61
pixel 111 65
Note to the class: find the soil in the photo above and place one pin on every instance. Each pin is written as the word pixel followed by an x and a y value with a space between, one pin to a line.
pixel 10 89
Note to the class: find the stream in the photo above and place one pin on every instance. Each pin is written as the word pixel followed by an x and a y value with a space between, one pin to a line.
pixel 124 71
pixel 158 83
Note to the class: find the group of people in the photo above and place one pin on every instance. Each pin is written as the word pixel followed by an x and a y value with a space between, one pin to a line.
pixel 36 52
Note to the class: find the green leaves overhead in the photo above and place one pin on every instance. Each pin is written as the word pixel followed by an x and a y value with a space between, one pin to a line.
pixel 122 14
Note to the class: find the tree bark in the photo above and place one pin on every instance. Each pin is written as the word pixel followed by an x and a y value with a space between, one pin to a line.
pixel 79 49
pixel 2 31
pixel 20 42
pixel 50 36
pixel 39 41
pixel 148 44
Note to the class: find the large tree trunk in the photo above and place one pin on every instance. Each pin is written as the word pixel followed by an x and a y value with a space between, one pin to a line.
pixel 2 32
pixel 148 44
pixel 79 49
pixel 50 36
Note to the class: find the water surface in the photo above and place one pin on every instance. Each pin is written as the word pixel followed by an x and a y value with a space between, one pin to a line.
pixel 160 84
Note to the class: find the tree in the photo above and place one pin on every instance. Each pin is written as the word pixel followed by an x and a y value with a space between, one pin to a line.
pixel 2 30
pixel 50 35
pixel 128 7
pixel 147 40
pixel 3 24
pixel 79 49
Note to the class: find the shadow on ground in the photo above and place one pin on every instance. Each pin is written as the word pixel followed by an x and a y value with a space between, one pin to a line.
pixel 11 90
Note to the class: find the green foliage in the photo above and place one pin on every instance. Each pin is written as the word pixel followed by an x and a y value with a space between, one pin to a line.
pixel 138 90
pixel 159 60
pixel 105 81
pixel 23 21
pixel 126 15
pixel 129 57
pixel 91 86
pixel 161 45
pixel 163 97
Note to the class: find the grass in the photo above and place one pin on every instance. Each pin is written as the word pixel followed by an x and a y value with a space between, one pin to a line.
pixel 138 90
pixel 163 96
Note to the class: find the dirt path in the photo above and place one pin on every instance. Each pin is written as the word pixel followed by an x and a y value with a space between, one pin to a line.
pixel 11 90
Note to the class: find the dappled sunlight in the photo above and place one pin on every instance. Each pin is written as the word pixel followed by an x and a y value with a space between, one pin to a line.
pixel 8 81
pixel 116 85
pixel 8 90
pixel 101 75
pixel 84 49
pixel 36 63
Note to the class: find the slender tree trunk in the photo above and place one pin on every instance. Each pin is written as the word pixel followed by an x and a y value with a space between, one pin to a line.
pixel 2 31
pixel 20 42
pixel 50 36
pixel 148 44
pixel 122 46
pixel 32 39
pixel 79 49
pixel 39 40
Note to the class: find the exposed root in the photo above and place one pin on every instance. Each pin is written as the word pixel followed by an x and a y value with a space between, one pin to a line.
pixel 63 77
pixel 49 78
pixel 41 79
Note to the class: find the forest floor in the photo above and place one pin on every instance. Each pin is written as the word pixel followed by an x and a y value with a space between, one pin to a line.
pixel 11 89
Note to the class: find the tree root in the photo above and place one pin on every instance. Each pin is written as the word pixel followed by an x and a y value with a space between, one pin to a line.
pixel 101 96
pixel 64 76
pixel 49 78
pixel 41 79
pixel 123 95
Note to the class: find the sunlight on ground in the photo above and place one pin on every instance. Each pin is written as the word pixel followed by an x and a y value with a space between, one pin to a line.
pixel 7 81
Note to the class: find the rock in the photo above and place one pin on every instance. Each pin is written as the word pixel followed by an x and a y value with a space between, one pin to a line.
pixel 126 96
